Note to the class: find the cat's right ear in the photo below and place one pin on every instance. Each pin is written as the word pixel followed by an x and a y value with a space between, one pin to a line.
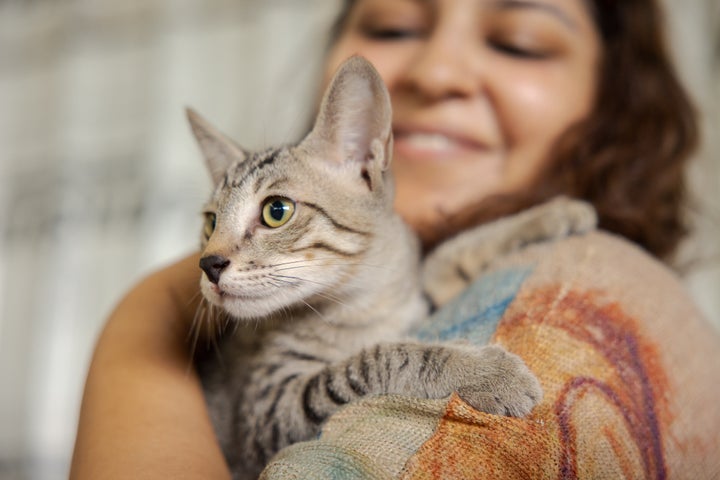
pixel 354 122
pixel 219 150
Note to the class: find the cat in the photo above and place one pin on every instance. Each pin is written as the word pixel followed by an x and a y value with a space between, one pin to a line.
pixel 321 281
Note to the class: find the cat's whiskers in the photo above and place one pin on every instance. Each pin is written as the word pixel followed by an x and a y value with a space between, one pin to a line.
pixel 207 322
pixel 334 299
pixel 256 322
pixel 306 260
pixel 195 329
pixel 286 280
pixel 328 296
pixel 285 313
pixel 217 329
pixel 197 318
pixel 341 264
pixel 228 320
pixel 295 280
pixel 320 315
pixel 329 286
pixel 194 297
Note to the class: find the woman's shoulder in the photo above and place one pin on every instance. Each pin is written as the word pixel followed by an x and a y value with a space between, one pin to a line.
pixel 570 259
pixel 457 262
pixel 611 270
pixel 557 241
pixel 603 262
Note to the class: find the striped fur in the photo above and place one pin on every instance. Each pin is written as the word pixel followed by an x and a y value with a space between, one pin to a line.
pixel 320 305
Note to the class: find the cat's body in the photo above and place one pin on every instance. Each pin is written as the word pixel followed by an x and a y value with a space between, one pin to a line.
pixel 273 373
pixel 375 280
pixel 302 248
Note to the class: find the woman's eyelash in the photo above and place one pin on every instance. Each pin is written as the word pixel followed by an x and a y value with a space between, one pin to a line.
pixel 391 33
pixel 519 52
pixel 396 34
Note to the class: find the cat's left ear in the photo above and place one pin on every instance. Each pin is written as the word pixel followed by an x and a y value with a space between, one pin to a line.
pixel 355 118
pixel 219 150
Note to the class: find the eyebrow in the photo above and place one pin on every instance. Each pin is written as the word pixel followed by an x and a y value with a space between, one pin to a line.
pixel 531 4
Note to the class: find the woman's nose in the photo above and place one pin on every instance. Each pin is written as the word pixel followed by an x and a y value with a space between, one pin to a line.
pixel 447 66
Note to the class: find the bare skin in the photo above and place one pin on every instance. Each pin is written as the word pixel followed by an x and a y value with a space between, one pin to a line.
pixel 143 412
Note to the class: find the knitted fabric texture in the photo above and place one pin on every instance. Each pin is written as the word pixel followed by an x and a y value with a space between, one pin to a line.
pixel 628 366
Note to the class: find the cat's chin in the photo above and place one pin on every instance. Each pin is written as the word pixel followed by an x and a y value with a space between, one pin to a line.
pixel 243 307
pixel 246 308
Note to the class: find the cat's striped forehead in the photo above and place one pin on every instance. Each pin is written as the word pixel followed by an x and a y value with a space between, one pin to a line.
pixel 257 166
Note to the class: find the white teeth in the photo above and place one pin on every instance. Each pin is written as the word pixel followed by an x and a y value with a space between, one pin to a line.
pixel 430 141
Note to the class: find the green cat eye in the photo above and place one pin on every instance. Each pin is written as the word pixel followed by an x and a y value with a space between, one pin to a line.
pixel 210 220
pixel 277 211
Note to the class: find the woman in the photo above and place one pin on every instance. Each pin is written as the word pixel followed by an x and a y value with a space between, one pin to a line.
pixel 498 106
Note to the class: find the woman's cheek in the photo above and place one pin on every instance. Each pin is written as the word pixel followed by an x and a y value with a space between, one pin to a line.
pixel 531 118
pixel 557 97
pixel 532 107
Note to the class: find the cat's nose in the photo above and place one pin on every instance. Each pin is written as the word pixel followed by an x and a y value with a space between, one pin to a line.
pixel 213 265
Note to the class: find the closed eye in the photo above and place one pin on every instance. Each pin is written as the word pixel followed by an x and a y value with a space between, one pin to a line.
pixel 392 34
pixel 518 52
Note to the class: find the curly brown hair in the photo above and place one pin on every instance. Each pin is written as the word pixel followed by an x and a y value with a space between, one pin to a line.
pixel 628 156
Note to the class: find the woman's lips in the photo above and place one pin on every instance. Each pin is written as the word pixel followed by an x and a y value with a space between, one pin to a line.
pixel 429 145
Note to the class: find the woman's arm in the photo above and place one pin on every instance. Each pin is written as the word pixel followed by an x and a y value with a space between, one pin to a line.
pixel 143 414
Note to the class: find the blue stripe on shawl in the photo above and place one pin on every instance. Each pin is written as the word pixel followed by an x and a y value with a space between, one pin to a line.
pixel 474 315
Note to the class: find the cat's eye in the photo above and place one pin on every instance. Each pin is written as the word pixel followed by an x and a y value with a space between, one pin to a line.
pixel 277 211
pixel 210 221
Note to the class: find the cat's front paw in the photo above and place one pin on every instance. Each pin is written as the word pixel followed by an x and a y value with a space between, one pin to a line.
pixel 564 216
pixel 498 382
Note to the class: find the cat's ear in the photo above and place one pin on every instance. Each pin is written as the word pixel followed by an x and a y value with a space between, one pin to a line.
pixel 218 149
pixel 355 118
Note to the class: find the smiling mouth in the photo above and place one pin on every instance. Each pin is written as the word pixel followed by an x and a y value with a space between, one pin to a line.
pixel 429 141
pixel 434 145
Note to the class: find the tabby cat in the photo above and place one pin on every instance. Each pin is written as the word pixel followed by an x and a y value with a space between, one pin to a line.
pixel 321 279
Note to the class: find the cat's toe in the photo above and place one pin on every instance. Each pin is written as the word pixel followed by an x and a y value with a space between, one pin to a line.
pixel 510 389
pixel 582 218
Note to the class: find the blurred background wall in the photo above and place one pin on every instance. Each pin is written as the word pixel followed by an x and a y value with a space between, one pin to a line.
pixel 100 181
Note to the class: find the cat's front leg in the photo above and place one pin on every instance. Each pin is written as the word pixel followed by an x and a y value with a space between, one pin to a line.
pixel 450 268
pixel 489 378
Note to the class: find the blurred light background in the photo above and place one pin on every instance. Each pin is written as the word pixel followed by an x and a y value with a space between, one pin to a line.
pixel 100 181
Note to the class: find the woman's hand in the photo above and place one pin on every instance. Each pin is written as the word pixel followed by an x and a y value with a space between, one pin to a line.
pixel 143 413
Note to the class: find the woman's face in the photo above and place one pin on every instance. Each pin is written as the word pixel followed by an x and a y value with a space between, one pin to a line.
pixel 480 90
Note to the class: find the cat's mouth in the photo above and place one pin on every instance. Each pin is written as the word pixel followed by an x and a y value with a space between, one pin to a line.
pixel 215 288
pixel 225 295
pixel 221 293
